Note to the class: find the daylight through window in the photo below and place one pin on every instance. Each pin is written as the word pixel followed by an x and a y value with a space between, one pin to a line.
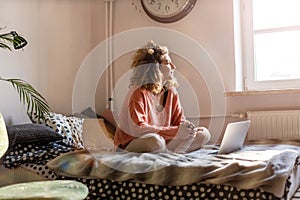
pixel 273 58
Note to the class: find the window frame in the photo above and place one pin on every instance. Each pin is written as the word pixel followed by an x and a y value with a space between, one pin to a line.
pixel 248 55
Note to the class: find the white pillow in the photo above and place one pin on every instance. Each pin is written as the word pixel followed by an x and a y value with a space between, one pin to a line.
pixel 3 137
pixel 69 127
pixel 96 136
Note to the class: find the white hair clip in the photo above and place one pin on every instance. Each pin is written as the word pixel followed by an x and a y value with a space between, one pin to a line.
pixel 150 51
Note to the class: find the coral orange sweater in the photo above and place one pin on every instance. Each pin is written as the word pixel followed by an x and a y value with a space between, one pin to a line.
pixel 139 116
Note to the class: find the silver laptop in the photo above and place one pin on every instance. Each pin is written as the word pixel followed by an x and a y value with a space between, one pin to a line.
pixel 234 137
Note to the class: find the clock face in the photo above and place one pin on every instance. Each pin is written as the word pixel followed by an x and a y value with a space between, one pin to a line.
pixel 167 10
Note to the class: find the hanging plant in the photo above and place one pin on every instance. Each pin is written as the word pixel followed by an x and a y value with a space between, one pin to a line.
pixel 36 103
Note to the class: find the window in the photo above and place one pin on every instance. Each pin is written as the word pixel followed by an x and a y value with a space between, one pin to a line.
pixel 271 43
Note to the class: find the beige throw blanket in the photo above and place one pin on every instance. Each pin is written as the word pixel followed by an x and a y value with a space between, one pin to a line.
pixel 257 166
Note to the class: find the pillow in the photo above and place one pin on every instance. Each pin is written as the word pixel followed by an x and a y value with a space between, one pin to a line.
pixel 31 133
pixel 87 113
pixel 3 137
pixel 111 129
pixel 110 122
pixel 96 136
pixel 68 127
pixel 109 116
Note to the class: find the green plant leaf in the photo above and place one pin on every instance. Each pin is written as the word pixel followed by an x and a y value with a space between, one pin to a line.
pixel 5 41
pixel 4 46
pixel 36 103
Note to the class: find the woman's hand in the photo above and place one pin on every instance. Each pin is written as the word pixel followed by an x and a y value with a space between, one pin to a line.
pixel 189 138
pixel 185 131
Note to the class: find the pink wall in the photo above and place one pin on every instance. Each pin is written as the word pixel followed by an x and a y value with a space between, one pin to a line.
pixel 63 33
pixel 59 38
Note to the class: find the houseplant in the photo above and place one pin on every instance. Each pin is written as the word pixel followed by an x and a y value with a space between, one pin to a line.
pixel 36 103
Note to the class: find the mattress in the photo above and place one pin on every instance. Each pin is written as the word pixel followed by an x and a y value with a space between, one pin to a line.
pixel 115 184
pixel 18 175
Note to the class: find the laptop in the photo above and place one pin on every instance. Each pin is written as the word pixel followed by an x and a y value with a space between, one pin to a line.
pixel 234 137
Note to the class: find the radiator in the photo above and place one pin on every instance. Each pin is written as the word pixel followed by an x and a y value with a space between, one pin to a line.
pixel 284 124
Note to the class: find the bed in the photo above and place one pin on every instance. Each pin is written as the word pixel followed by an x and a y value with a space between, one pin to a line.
pixel 261 170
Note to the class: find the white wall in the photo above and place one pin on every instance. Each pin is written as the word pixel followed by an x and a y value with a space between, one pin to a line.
pixel 215 36
pixel 59 37
pixel 63 33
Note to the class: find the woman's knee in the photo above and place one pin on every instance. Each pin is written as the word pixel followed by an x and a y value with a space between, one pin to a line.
pixel 148 143
pixel 155 142
pixel 203 137
pixel 206 136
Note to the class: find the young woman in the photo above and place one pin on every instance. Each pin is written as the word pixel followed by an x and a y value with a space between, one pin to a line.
pixel 152 119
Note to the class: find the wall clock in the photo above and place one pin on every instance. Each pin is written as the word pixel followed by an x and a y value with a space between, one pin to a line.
pixel 167 11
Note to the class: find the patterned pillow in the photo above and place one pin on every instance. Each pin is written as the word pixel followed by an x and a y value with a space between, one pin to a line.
pixel 31 133
pixel 69 127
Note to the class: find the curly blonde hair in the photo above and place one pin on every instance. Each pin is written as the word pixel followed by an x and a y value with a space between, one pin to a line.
pixel 146 67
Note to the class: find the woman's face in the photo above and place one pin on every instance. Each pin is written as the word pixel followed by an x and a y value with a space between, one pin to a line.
pixel 167 67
